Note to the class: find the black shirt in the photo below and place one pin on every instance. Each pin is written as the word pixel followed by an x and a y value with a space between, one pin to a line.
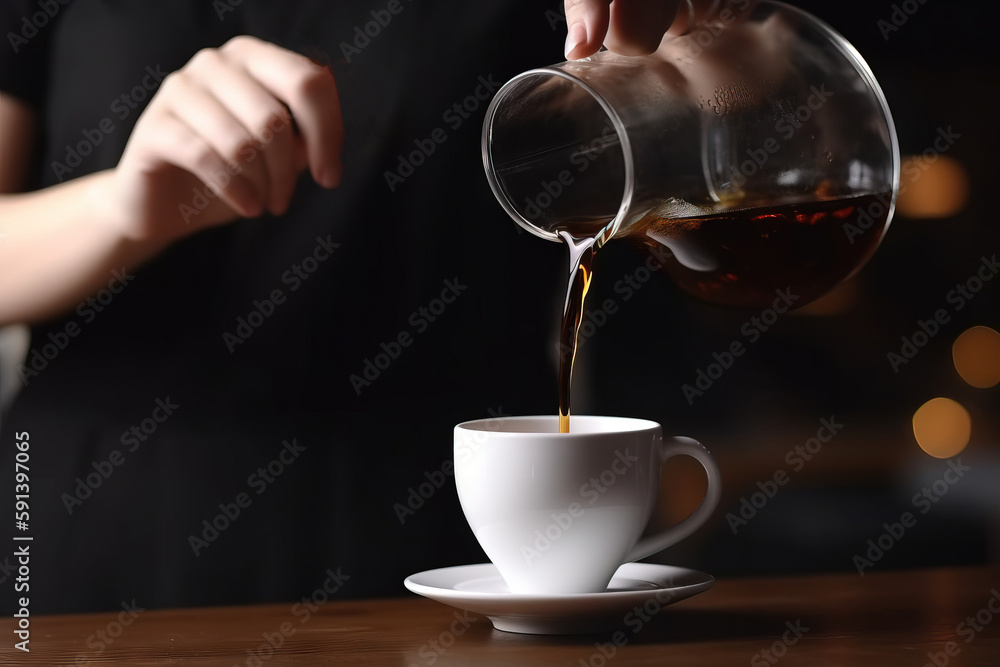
pixel 218 377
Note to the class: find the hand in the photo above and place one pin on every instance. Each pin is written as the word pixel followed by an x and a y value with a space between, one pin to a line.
pixel 226 136
pixel 634 27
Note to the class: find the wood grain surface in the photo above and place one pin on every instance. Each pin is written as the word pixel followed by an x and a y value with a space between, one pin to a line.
pixel 912 618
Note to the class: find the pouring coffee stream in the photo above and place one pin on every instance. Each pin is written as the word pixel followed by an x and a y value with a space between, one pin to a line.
pixel 581 257
pixel 738 257
pixel 763 161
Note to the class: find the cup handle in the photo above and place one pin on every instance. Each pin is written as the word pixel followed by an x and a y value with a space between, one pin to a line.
pixel 675 446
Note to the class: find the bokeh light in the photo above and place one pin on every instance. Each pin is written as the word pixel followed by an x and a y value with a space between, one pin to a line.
pixel 932 187
pixel 977 357
pixel 942 427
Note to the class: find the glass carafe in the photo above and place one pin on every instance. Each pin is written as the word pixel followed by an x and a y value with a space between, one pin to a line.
pixel 756 154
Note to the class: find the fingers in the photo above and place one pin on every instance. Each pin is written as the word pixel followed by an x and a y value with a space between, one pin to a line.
pixel 228 118
pixel 272 153
pixel 637 26
pixel 308 90
pixel 210 119
pixel 631 27
pixel 177 143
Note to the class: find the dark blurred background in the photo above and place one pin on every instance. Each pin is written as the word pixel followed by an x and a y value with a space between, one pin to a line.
pixel 830 358
pixel 495 349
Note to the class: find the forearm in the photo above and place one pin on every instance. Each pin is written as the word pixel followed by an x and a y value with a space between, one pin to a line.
pixel 60 245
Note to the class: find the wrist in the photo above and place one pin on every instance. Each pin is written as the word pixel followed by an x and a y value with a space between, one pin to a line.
pixel 110 209
pixel 102 198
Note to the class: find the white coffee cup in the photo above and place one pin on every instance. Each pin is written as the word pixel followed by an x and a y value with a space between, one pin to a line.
pixel 558 513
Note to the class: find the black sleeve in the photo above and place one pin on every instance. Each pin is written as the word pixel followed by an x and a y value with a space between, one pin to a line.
pixel 26 26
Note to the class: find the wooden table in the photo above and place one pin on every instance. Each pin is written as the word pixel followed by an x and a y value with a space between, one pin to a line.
pixel 884 618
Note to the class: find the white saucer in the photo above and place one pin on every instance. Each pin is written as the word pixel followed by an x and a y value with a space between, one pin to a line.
pixel 637 589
